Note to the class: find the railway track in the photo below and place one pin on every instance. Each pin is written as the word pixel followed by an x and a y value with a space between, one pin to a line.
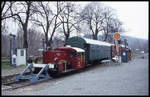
pixel 14 85
pixel 9 84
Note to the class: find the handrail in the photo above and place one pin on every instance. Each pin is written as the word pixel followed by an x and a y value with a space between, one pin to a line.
pixel 65 63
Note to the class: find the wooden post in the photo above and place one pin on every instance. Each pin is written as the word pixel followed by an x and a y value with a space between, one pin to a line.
pixel 117 46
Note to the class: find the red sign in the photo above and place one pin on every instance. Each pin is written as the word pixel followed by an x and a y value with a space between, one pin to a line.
pixel 117 36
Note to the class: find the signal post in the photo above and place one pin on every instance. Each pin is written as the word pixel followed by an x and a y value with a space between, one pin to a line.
pixel 117 37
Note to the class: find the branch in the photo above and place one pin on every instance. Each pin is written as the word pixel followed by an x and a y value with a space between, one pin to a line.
pixel 5 11
pixel 3 5
pixel 58 24
pixel 50 21
pixel 91 27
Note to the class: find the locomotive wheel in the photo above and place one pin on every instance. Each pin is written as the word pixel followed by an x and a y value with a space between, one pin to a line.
pixel 51 73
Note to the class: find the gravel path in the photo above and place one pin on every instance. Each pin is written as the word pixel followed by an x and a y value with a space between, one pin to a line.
pixel 108 79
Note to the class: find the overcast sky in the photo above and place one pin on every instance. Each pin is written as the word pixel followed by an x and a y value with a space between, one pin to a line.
pixel 134 16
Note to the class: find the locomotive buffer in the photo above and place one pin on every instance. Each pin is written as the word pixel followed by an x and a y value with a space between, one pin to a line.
pixel 27 78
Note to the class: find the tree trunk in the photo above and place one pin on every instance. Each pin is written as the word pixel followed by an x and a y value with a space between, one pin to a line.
pixel 105 37
pixel 46 39
pixel 106 33
pixel 67 36
pixel 25 44
pixel 95 34
pixel 50 41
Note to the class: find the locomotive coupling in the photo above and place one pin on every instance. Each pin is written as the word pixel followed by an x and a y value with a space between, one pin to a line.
pixel 51 66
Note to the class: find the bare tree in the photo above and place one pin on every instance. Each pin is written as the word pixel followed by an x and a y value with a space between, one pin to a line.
pixel 114 26
pixel 108 23
pixel 5 14
pixel 46 19
pixel 34 41
pixel 5 45
pixel 21 12
pixel 70 19
pixel 94 17
pixel 19 38
pixel 101 19
pixel 56 23
pixel 5 9
pixel 43 17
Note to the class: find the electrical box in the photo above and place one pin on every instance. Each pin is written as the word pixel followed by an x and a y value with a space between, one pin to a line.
pixel 13 60
pixel 21 57
pixel 124 55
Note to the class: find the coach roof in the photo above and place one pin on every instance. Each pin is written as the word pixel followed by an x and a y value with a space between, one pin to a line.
pixel 97 42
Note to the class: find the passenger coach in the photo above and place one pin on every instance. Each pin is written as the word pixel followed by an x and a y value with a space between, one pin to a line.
pixel 94 50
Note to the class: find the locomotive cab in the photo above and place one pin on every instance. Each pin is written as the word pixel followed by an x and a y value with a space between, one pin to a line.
pixel 64 59
pixel 79 61
pixel 75 58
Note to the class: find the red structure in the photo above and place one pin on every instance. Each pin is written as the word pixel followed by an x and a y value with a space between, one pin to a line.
pixel 66 58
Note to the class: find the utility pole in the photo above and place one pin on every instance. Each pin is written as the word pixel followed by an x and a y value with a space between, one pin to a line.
pixel 125 42
pixel 12 48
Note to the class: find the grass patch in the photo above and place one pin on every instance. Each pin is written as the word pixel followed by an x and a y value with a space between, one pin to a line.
pixel 6 65
pixel 21 66
pixel 134 54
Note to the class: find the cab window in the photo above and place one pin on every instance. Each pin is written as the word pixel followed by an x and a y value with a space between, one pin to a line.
pixel 79 55
pixel 72 54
